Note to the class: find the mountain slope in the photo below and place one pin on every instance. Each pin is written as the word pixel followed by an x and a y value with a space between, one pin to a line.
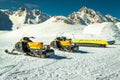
pixel 16 19
pixel 24 16
pixel 5 22
pixel 87 16
pixel 60 19
pixel 106 30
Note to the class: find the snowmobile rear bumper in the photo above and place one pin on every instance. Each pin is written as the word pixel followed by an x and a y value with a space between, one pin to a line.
pixel 49 52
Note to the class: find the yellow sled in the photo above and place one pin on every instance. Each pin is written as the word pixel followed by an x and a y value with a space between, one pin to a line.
pixel 91 43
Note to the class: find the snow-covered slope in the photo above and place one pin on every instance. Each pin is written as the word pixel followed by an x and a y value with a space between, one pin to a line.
pixel 61 19
pixel 44 30
pixel 118 25
pixel 86 16
pixel 16 19
pixel 107 30
pixel 87 64
pixel 111 18
pixel 23 16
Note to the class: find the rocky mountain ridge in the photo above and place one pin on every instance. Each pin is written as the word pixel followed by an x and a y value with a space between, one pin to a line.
pixel 86 16
pixel 16 19
pixel 24 16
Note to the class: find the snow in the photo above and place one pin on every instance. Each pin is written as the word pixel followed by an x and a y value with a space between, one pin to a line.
pixel 118 25
pixel 86 16
pixel 90 63
pixel 106 30
pixel 16 19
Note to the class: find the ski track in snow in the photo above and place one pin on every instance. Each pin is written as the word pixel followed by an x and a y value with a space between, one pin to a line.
pixel 74 66
pixel 90 63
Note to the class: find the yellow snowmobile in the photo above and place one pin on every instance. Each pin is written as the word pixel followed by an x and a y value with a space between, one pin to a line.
pixel 64 44
pixel 35 49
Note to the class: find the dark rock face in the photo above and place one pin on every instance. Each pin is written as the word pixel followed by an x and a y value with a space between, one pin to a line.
pixel 5 22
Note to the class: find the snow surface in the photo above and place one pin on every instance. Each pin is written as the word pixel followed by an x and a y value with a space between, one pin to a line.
pixel 106 31
pixel 118 25
pixel 86 16
pixel 89 63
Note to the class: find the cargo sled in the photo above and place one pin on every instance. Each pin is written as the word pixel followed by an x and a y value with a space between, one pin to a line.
pixel 64 44
pixel 35 49
pixel 91 43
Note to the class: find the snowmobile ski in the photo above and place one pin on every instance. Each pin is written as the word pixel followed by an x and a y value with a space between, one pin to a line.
pixel 8 52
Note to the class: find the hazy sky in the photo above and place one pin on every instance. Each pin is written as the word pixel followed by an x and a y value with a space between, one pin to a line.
pixel 64 7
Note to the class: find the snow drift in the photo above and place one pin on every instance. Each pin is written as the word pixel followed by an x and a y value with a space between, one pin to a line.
pixel 107 30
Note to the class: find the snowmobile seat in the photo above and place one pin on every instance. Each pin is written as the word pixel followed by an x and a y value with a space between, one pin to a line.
pixel 36 45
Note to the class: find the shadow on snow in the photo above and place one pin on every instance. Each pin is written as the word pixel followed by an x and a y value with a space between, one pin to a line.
pixel 82 52
pixel 58 57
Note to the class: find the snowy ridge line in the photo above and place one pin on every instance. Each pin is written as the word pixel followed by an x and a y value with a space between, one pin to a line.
pixel 22 17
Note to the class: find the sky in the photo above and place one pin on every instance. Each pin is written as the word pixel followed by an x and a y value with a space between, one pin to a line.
pixel 64 7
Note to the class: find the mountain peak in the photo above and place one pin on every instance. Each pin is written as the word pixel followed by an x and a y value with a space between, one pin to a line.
pixel 84 8
pixel 87 11
pixel 22 9
pixel 83 16
pixel 25 16
pixel 87 16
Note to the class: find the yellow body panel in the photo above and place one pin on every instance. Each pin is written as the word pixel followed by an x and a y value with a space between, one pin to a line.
pixel 66 43
pixel 36 45
pixel 91 42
